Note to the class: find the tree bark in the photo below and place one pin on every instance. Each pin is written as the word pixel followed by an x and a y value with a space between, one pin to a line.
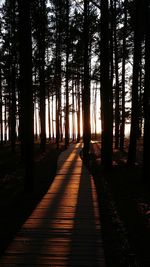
pixel 86 88
pixel 49 117
pixel 78 109
pixel 73 112
pixel 136 64
pixel 146 148
pixel 12 76
pixel 58 69
pixel 26 94
pixel 42 45
pixel 1 106
pixel 122 127
pixel 5 120
pixel 67 77
pixel 106 90
pixel 117 111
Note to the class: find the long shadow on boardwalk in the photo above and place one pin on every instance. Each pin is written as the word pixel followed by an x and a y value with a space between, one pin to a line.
pixel 86 244
pixel 63 230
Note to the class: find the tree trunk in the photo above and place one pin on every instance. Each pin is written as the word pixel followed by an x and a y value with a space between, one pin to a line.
pixel 146 148
pixel 106 90
pixel 11 79
pixel 122 127
pixel 58 70
pixel 49 117
pixel 35 121
pixel 140 105
pixel 136 64
pixel 117 111
pixel 5 121
pixel 53 116
pixel 27 135
pixel 86 88
pixel 1 109
pixel 111 50
pixel 13 109
pixel 42 73
pixel 78 109
pixel 95 115
pixel 67 77
pixel 60 117
pixel 73 112
pixel 57 115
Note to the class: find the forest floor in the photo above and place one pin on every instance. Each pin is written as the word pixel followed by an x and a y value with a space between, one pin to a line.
pixel 124 201
pixel 123 198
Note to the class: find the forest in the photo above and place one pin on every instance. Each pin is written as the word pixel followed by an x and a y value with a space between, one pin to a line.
pixel 76 71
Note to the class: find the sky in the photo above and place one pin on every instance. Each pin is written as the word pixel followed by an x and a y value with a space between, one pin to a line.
pixel 2 1
pixel 98 104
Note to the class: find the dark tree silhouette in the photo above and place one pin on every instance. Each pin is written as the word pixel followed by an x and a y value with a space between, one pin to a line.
pixel 1 104
pixel 26 95
pixel 124 49
pixel 13 67
pixel 136 68
pixel 146 158
pixel 42 47
pixel 58 6
pixel 79 106
pixel 9 51
pixel 65 40
pixel 86 89
pixel 67 78
pixel 117 110
pixel 106 90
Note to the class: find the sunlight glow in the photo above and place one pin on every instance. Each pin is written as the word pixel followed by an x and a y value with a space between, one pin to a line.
pixel 94 114
pixel 59 193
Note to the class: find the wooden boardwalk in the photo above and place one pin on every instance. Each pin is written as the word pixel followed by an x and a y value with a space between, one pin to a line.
pixel 64 229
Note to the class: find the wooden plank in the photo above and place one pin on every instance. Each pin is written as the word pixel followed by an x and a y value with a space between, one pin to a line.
pixel 64 229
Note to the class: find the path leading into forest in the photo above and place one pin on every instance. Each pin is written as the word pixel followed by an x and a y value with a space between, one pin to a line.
pixel 64 229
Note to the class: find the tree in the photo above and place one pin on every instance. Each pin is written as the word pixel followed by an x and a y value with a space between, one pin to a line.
pixel 9 49
pixel 146 148
pixel 26 94
pixel 1 110
pixel 42 47
pixel 78 107
pixel 106 90
pixel 67 77
pixel 136 67
pixel 124 49
pixel 117 110
pixel 58 19
pixel 13 74
pixel 86 89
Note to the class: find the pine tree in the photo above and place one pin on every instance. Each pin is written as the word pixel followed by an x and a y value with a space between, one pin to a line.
pixel 86 89
pixel 106 90
pixel 26 94
pixel 146 149
pixel 67 78
pixel 136 67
